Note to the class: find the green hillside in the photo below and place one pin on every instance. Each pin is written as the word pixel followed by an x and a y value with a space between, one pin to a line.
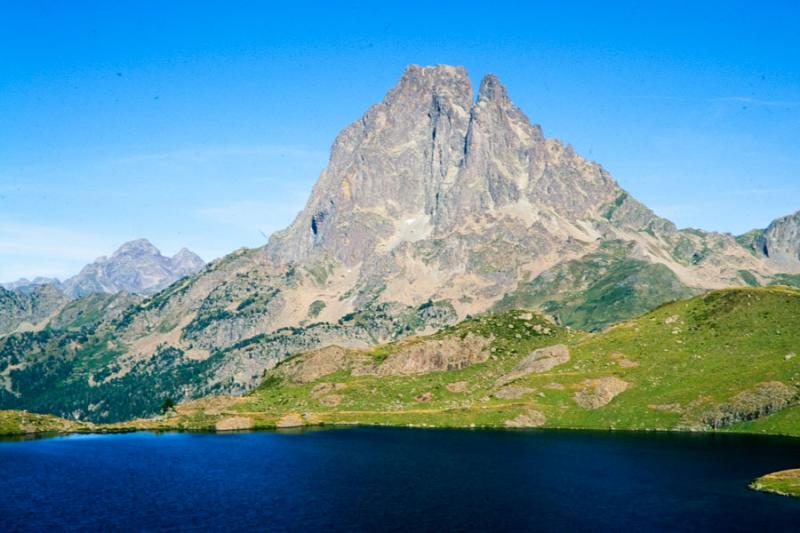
pixel 785 483
pixel 599 289
pixel 723 361
pixel 726 360
pixel 22 422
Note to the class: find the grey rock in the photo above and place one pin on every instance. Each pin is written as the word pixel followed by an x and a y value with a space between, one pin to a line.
pixel 28 307
pixel 780 242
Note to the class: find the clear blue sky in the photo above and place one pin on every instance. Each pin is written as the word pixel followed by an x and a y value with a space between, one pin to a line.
pixel 205 124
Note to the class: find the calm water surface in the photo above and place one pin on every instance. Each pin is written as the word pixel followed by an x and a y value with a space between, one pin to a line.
pixel 395 479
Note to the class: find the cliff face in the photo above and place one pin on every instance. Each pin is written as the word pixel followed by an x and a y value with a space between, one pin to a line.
pixel 24 308
pixel 432 165
pixel 436 193
pixel 780 242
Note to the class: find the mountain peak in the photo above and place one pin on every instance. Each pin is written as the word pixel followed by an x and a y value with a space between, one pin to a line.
pixel 420 86
pixel 186 262
pixel 184 252
pixel 135 267
pixel 492 89
pixel 781 241
pixel 429 160
pixel 137 247
pixel 434 74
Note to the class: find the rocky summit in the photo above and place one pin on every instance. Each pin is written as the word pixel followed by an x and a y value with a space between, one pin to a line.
pixel 437 194
pixel 436 204
pixel 136 267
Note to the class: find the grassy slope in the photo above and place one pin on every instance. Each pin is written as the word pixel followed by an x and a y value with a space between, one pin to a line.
pixel 692 358
pixel 22 422
pixel 599 289
pixel 683 362
pixel 785 483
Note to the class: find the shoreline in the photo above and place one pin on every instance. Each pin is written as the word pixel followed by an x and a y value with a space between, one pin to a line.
pixel 114 428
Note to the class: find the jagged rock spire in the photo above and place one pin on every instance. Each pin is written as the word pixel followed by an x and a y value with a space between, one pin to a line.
pixel 432 154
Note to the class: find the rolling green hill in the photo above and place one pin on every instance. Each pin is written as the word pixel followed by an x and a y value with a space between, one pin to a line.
pixel 726 360
pixel 22 422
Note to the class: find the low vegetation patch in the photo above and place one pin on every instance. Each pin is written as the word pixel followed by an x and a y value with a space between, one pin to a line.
pixel 785 483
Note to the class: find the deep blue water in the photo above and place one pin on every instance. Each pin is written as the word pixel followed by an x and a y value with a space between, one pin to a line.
pixel 395 479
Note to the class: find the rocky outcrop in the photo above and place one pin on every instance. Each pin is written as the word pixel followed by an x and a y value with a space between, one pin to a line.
pixel 538 361
pixel 424 357
pixel 529 419
pixel 234 423
pixel 513 392
pixel 596 393
pixel 314 365
pixel 291 420
pixel 780 242
pixel 407 358
pixel 762 400
pixel 458 387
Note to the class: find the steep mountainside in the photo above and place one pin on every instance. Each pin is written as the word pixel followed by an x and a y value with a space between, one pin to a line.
pixel 435 205
pixel 24 308
pixel 136 267
pixel 780 241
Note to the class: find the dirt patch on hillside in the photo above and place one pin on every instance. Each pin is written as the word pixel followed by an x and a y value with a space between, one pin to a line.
pixel 596 393
pixel 424 397
pixel 458 387
pixel 321 389
pixel 513 392
pixel 623 361
pixel 666 407
pixel 331 400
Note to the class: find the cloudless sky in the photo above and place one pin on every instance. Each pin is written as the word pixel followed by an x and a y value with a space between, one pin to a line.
pixel 205 124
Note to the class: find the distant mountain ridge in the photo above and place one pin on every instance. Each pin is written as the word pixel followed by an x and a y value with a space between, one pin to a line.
pixel 27 284
pixel 136 267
